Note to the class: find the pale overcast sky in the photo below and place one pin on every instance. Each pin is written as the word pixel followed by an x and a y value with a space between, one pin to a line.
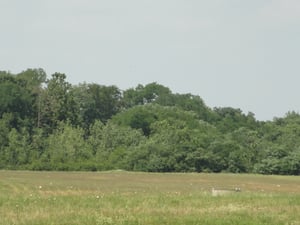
pixel 239 53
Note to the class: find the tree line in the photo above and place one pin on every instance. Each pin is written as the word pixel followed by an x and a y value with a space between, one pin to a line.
pixel 50 124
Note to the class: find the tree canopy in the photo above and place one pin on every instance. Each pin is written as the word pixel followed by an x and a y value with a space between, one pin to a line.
pixel 50 124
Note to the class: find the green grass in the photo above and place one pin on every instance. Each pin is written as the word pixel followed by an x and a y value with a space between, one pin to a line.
pixel 146 198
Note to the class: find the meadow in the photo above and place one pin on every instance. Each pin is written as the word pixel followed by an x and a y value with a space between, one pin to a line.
pixel 127 198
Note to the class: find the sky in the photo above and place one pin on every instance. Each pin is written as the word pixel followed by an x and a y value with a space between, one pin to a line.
pixel 232 53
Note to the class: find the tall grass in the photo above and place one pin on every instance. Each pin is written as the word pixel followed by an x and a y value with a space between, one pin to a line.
pixel 122 198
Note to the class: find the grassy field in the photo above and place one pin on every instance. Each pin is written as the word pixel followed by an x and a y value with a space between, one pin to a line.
pixel 115 198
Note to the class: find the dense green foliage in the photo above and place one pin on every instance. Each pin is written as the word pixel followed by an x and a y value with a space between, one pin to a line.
pixel 50 124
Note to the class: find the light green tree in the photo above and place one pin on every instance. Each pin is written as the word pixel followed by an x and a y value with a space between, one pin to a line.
pixel 18 153
pixel 67 148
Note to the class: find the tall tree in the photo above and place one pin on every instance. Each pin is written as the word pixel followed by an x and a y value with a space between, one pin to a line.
pixel 34 79
pixel 57 104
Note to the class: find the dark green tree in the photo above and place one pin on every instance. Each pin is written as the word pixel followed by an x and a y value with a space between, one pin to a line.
pixel 229 119
pixel 15 99
pixel 141 95
pixel 96 102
